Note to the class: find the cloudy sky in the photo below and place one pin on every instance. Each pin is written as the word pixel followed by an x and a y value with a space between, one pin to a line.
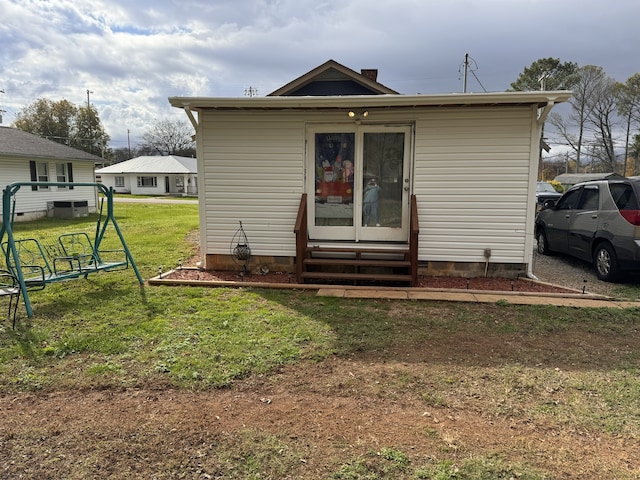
pixel 134 54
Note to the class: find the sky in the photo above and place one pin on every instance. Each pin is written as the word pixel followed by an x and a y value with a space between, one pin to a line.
pixel 132 55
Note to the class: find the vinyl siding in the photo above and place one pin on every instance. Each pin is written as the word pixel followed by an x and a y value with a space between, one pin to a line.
pixel 471 179
pixel 471 175
pixel 253 173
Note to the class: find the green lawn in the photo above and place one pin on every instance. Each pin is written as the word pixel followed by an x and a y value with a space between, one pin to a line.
pixel 107 332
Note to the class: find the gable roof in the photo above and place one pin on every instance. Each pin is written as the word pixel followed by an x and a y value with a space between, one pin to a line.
pixel 153 164
pixel 17 143
pixel 332 78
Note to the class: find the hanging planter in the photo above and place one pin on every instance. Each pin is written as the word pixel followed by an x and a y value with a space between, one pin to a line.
pixel 240 250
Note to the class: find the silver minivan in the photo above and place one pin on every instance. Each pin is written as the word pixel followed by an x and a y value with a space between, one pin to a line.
pixel 597 221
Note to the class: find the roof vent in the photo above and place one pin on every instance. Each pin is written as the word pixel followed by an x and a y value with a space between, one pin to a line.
pixel 370 73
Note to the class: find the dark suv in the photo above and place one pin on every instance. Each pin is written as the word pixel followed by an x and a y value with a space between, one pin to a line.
pixel 596 221
pixel 544 192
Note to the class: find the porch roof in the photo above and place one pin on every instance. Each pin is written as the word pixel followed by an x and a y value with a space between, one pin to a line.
pixel 538 98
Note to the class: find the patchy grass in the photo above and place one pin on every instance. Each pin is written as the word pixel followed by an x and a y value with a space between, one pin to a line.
pixel 252 383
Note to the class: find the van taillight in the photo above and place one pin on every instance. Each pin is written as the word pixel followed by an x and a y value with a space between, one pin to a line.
pixel 631 216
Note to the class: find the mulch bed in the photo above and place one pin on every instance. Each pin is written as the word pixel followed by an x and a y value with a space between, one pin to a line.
pixel 458 283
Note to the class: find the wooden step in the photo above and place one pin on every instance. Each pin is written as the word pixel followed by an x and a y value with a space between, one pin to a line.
pixel 357 262
pixel 379 264
pixel 359 250
pixel 378 277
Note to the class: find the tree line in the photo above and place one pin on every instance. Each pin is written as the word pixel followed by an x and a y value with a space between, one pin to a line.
pixel 80 127
pixel 603 120
pixel 602 125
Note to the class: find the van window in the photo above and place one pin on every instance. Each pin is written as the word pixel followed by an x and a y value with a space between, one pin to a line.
pixel 570 200
pixel 623 195
pixel 590 199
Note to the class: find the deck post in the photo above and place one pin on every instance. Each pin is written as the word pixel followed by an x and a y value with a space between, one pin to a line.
pixel 414 233
pixel 302 236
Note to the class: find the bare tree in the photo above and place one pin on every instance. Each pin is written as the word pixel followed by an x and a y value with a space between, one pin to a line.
pixel 628 102
pixel 169 137
pixel 572 128
pixel 602 121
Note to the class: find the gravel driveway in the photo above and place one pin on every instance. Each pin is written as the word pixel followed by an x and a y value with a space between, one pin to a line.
pixel 573 273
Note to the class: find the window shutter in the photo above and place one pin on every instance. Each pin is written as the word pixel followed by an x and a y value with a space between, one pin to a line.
pixel 34 174
pixel 70 172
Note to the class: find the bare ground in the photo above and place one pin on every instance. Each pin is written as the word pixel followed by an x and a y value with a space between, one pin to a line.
pixel 333 412
pixel 329 413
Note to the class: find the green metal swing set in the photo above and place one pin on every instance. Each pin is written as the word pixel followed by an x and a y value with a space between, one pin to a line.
pixel 36 263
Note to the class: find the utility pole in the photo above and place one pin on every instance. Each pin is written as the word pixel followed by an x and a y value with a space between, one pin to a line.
pixel 1 109
pixel 89 122
pixel 466 70
pixel 468 66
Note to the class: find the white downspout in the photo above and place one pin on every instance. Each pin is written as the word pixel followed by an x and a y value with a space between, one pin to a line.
pixel 542 117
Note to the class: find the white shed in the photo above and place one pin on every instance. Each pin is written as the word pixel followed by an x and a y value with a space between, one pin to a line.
pixel 457 175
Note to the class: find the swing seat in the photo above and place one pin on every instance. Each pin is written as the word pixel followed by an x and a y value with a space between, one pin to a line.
pixel 10 287
pixel 82 255
pixel 71 256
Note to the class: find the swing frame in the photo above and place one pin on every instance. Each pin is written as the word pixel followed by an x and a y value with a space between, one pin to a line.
pixel 92 263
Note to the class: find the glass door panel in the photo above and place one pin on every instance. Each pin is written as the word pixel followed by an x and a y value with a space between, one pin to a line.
pixel 360 182
pixel 385 185
pixel 334 166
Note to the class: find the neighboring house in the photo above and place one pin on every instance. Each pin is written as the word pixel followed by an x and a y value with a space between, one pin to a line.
pixel 157 175
pixel 25 157
pixel 468 161
pixel 570 179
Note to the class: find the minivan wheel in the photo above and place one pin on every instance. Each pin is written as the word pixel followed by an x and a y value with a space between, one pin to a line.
pixel 543 244
pixel 606 262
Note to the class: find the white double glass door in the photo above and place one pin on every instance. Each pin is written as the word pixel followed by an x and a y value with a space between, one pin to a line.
pixel 360 181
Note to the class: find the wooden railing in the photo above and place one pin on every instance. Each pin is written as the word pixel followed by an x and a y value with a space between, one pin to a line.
pixel 414 232
pixel 301 230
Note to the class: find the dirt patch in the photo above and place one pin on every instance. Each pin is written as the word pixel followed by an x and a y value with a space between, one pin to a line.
pixel 330 413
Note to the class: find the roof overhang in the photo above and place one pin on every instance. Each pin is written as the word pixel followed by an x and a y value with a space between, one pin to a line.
pixel 540 99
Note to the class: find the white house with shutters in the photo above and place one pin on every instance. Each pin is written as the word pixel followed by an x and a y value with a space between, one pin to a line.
pixel 465 164
pixel 25 157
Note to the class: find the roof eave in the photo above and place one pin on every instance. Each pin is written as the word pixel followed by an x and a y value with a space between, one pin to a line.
pixel 33 156
pixel 541 99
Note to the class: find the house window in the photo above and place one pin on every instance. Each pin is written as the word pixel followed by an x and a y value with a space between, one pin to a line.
pixel 147 182
pixel 42 169
pixel 119 182
pixel 43 172
pixel 61 173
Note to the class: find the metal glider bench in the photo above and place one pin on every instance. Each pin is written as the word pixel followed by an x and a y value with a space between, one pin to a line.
pixel 36 263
